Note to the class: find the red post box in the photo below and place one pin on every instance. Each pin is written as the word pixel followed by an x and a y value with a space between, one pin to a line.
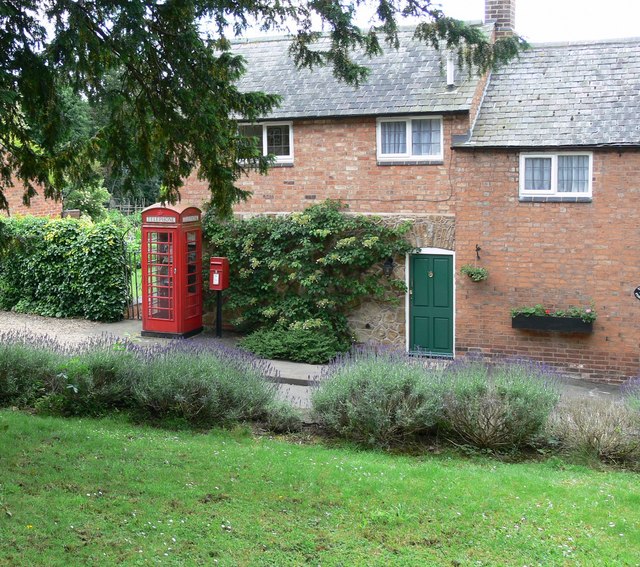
pixel 171 271
pixel 218 274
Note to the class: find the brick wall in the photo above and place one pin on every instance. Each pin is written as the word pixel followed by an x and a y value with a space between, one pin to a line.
pixel 556 254
pixel 503 13
pixel 40 207
pixel 336 159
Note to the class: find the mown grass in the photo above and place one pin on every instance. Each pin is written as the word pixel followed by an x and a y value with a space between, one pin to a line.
pixel 88 491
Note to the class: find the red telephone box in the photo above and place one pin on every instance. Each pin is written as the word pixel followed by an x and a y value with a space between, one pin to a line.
pixel 171 271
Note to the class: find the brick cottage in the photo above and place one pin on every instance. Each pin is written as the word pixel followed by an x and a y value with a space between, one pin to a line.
pixel 530 172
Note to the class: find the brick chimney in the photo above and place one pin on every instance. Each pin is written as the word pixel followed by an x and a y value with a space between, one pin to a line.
pixel 503 13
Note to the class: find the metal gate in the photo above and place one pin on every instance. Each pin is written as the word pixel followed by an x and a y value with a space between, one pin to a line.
pixel 133 275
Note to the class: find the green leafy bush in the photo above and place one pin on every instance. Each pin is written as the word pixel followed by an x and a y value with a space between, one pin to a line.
pixel 63 268
pixel 499 407
pixel 378 397
pixel 304 268
pixel 607 430
pixel 315 346
pixel 90 199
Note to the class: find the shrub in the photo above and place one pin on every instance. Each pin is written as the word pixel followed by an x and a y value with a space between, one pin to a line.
pixel 197 382
pixel 501 407
pixel 631 392
pixel 203 385
pixel 315 265
pixel 315 346
pixel 605 429
pixel 378 397
pixel 63 268
pixel 97 381
pixel 89 198
pixel 26 373
pixel 281 417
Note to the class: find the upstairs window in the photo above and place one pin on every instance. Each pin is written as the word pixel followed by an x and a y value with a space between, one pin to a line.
pixel 557 175
pixel 277 139
pixel 409 139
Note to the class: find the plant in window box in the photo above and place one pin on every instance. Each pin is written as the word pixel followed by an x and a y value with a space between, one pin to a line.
pixel 474 272
pixel 570 320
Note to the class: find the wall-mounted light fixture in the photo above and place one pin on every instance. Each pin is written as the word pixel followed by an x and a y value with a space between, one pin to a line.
pixel 387 267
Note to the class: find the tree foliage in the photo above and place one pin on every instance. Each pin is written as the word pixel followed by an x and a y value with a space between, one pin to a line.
pixel 164 71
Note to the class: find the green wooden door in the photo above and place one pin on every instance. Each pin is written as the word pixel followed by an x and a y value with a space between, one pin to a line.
pixel 431 304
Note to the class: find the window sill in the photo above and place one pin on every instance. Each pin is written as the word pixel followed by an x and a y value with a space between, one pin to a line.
pixel 283 164
pixel 411 162
pixel 553 199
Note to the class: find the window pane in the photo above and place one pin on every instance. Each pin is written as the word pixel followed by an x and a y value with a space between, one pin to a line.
pixel 537 174
pixel 425 136
pixel 394 137
pixel 573 174
pixel 278 140
pixel 250 131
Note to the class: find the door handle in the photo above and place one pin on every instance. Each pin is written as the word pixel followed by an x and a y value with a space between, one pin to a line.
pixel 430 274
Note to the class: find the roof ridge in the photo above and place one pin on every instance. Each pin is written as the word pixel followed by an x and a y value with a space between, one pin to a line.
pixel 576 43
pixel 288 36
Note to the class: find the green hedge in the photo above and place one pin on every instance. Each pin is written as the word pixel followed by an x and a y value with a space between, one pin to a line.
pixel 62 268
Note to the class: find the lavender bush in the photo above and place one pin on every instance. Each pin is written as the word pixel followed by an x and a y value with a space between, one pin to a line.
pixel 27 368
pixel 203 384
pixel 378 397
pixel 498 407
pixel 631 393
pixel 607 430
pixel 96 380
pixel 197 381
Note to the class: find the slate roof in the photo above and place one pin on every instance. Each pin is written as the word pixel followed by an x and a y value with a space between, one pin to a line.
pixel 580 94
pixel 411 79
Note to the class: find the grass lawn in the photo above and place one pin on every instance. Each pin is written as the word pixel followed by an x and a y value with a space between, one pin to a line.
pixel 101 492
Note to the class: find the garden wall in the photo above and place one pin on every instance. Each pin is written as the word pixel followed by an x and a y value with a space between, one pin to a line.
pixel 40 207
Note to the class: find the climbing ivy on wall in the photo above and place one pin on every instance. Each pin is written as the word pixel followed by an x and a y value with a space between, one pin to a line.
pixel 62 268
pixel 305 270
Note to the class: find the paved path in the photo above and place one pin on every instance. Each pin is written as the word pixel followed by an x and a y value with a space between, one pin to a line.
pixel 295 376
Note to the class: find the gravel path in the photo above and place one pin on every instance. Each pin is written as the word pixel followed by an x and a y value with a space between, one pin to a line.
pixel 67 330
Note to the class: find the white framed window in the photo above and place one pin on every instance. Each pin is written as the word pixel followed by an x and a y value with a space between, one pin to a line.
pixel 557 175
pixel 410 138
pixel 277 138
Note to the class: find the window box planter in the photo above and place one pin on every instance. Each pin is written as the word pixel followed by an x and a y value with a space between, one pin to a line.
pixel 561 324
